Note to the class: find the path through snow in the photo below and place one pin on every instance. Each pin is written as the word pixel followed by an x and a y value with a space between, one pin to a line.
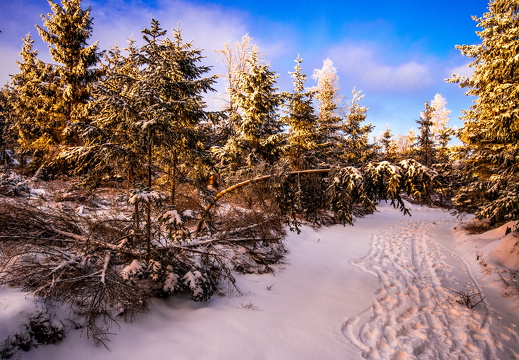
pixel 415 313
pixel 332 274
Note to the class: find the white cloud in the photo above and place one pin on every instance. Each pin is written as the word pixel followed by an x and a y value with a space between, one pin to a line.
pixel 462 70
pixel 208 26
pixel 366 67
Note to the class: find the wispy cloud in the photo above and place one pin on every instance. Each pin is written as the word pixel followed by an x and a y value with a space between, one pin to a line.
pixel 463 70
pixel 367 67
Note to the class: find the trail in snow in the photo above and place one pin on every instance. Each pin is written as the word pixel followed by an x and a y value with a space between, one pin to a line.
pixel 415 314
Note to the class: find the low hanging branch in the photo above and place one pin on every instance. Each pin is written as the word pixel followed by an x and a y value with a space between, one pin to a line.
pixel 245 183
pixel 376 181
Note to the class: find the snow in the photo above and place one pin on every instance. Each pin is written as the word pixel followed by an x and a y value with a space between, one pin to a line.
pixel 385 288
pixel 172 217
pixel 16 308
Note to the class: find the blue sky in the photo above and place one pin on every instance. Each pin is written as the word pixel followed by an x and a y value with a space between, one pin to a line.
pixel 397 52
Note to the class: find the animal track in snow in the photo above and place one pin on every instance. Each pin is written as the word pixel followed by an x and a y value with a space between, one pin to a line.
pixel 415 314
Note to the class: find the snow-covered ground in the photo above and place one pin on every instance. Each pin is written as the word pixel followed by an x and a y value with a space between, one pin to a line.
pixel 386 288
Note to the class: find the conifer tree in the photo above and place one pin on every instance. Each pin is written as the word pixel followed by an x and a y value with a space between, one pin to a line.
pixel 31 97
pixel 491 124
pixel 149 106
pixel 355 138
pixel 68 29
pixel 425 149
pixel 236 60
pixel 258 130
pixel 302 140
pixel 329 122
pixel 389 146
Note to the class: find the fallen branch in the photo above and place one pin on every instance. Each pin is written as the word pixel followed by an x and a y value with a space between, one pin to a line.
pixel 245 183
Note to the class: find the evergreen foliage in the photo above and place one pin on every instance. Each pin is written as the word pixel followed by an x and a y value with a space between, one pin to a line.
pixel 257 126
pixel 68 29
pixel 425 145
pixel 389 146
pixel 491 124
pixel 301 120
pixel 329 121
pixel 31 104
pixel 355 134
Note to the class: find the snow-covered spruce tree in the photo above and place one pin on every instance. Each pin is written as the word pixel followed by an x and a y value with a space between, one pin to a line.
pixel 67 30
pixel 389 147
pixel 236 59
pixel 355 134
pixel 407 145
pixel 301 120
pixel 491 124
pixel 31 100
pixel 329 121
pixel 172 73
pixel 425 145
pixel 448 177
pixel 258 134
pixel 148 108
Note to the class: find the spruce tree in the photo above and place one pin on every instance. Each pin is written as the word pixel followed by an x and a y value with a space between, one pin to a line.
pixel 329 121
pixel 31 96
pixel 68 29
pixel 355 134
pixel 389 147
pixel 425 146
pixel 301 120
pixel 258 133
pixel 149 106
pixel 491 124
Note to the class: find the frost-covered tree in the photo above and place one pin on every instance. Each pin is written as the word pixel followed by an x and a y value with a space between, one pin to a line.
pixel 407 144
pixel 31 96
pixel 329 120
pixel 491 124
pixel 257 128
pixel 355 133
pixel 148 108
pixel 440 115
pixel 236 59
pixel 301 120
pixel 425 145
pixel 440 129
pixel 67 30
pixel 389 146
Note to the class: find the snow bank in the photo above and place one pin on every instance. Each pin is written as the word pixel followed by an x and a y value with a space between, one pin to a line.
pixel 499 246
pixel 16 308
pixel 24 323
pixel 504 251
